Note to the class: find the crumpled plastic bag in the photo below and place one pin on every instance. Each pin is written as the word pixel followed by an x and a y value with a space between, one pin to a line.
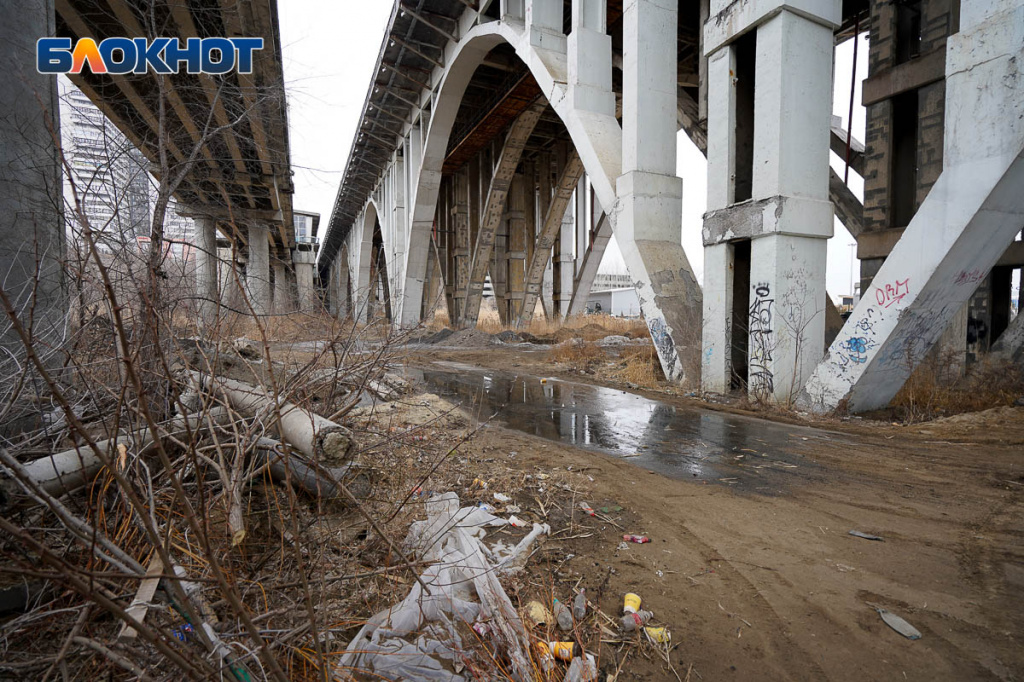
pixel 462 585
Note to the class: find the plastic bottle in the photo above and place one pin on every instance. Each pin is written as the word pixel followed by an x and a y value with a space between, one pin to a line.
pixel 634 621
pixel 579 606
pixel 565 651
pixel 563 616
pixel 638 539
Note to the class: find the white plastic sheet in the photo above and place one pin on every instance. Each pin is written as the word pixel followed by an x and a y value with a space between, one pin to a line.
pixel 409 640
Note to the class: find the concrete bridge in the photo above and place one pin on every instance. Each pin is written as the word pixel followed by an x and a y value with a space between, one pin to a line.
pixel 507 140
pixel 226 137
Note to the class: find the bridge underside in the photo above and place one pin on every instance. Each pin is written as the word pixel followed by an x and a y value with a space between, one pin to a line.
pixel 503 144
pixel 226 137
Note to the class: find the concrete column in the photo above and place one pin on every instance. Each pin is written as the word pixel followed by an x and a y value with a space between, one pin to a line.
pixel 206 267
pixel 31 225
pixel 716 360
pixel 590 58
pixel 461 251
pixel 973 211
pixel 304 262
pixel 282 290
pixel 772 193
pixel 513 11
pixel 563 260
pixel 544 25
pixel 257 278
pixel 649 216
pixel 792 110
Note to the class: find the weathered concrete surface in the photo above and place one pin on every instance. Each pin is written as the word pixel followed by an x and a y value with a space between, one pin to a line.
pixel 972 212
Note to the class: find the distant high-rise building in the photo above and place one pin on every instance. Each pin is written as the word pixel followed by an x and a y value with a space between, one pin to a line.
pixel 110 177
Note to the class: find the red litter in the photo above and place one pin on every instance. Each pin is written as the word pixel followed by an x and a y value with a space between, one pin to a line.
pixel 638 539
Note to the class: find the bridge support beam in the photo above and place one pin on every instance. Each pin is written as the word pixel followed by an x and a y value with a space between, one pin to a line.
pixel 973 211
pixel 207 284
pixel 769 216
pixel 554 229
pixel 258 269
pixel 494 208
pixel 648 225
pixel 588 267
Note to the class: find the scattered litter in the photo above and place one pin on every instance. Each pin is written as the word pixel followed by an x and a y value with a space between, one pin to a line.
pixel 517 522
pixel 562 615
pixel 513 508
pixel 544 657
pixel 579 606
pixel 477 483
pixel 658 635
pixel 587 509
pixel 462 584
pixel 489 508
pixel 635 621
pixel 538 613
pixel 638 539
pixel 899 625
pixel 866 536
pixel 631 602
pixel 565 651
pixel 582 669
pixel 623 545
pixel 501 497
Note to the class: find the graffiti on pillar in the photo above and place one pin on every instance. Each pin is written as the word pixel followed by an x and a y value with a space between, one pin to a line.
pixel 762 344
pixel 661 338
pixel 891 294
pixel 965 277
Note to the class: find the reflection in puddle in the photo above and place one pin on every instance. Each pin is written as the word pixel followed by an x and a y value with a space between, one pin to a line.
pixel 746 453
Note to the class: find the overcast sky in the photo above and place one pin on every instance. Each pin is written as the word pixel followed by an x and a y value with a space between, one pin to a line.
pixel 330 49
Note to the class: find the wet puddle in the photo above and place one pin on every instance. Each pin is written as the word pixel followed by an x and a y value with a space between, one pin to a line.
pixel 692 444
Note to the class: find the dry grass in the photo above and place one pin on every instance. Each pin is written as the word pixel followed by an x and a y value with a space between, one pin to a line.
pixel 577 355
pixel 540 326
pixel 936 389
pixel 640 366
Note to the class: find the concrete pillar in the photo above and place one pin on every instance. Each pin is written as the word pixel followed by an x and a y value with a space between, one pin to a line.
pixel 590 58
pixel 544 25
pixel 257 277
pixel 973 211
pixel 765 184
pixel 206 267
pixel 563 262
pixel 31 225
pixel 461 251
pixel 649 216
pixel 304 262
pixel 283 301
pixel 1009 347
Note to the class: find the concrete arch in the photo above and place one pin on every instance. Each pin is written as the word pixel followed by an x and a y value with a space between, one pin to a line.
pixel 597 139
pixel 360 256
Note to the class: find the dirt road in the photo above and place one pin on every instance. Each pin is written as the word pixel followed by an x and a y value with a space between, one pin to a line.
pixel 773 587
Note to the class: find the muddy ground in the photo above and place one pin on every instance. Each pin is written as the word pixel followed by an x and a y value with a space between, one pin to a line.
pixel 773 587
